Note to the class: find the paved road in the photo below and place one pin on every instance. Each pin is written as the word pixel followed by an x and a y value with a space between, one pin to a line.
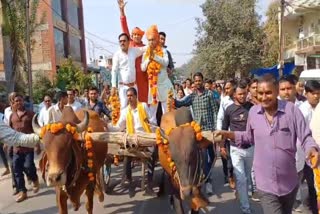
pixel 223 201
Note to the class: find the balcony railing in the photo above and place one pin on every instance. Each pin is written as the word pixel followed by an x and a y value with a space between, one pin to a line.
pixel 308 42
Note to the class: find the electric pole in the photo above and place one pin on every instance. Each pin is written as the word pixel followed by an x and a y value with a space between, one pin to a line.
pixel 28 44
pixel 281 38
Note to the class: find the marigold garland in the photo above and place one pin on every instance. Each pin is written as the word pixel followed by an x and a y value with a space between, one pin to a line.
pixel 153 70
pixel 170 101
pixel 160 141
pixel 56 127
pixel 115 107
pixel 316 172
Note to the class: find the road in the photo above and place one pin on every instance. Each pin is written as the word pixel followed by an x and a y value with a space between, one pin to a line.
pixel 120 201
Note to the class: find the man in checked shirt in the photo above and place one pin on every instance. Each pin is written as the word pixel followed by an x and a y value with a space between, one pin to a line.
pixel 205 111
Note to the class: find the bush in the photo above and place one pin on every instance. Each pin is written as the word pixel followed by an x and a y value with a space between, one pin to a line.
pixel 71 76
pixel 42 86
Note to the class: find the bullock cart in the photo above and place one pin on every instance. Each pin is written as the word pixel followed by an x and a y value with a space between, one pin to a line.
pixel 138 146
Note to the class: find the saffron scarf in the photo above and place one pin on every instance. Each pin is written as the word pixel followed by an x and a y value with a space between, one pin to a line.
pixel 142 117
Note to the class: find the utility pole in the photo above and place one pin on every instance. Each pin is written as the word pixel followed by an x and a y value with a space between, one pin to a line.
pixel 281 38
pixel 28 44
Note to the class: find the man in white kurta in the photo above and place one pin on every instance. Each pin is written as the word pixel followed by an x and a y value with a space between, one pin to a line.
pixel 123 67
pixel 164 84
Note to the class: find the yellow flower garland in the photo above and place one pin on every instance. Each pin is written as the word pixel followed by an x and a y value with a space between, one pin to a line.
pixel 115 106
pixel 160 141
pixel 153 70
pixel 56 127
pixel 316 172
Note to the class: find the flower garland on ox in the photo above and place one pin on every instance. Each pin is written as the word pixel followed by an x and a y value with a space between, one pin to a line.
pixel 164 143
pixel 56 127
pixel 153 70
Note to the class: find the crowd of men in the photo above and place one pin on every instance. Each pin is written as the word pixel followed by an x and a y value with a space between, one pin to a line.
pixel 262 127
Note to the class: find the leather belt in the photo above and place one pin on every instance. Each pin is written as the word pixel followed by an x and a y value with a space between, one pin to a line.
pixel 131 84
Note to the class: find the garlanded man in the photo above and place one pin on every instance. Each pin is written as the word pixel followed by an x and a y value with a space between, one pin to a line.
pixel 135 41
pixel 155 63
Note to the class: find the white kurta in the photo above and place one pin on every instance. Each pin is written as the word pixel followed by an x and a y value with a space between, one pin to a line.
pixel 75 105
pixel 164 83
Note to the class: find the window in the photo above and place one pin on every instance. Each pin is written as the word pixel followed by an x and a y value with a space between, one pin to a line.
pixel 57 9
pixel 73 15
pixel 59 41
pixel 75 48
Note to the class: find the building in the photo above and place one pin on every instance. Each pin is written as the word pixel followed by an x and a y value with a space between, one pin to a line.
pixel 60 35
pixel 302 33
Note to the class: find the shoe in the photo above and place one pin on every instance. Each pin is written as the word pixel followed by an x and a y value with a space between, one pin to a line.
pixel 21 197
pixel 15 191
pixel 255 197
pixel 7 172
pixel 209 188
pixel 232 183
pixel 149 192
pixel 35 186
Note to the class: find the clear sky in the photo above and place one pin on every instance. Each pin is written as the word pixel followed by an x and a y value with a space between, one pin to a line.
pixel 175 17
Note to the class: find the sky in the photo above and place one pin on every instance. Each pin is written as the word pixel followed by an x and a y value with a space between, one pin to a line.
pixel 175 17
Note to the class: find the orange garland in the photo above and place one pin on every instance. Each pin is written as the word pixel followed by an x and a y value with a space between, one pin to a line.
pixel 56 127
pixel 170 101
pixel 153 70
pixel 115 106
pixel 164 142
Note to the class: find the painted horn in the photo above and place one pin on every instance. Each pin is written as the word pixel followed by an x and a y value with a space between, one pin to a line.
pixel 35 125
pixel 82 126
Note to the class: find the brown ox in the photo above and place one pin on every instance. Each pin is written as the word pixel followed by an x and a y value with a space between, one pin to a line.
pixel 65 160
pixel 186 153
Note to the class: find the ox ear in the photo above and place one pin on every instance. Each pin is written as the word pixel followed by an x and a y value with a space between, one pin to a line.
pixel 35 125
pixel 82 126
pixel 163 134
pixel 43 165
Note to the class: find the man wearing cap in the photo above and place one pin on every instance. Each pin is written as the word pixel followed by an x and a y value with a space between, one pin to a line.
pixel 135 41
pixel 155 62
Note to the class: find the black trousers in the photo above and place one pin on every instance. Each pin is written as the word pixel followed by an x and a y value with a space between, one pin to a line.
pixel 274 204
pixel 227 163
pixel 308 175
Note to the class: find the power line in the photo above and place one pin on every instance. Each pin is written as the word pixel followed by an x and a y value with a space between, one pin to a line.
pixel 92 34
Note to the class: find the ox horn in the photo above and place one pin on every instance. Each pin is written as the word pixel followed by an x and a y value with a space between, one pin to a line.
pixel 82 126
pixel 35 125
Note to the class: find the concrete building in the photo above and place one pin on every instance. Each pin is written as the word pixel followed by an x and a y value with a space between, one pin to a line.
pixel 302 33
pixel 61 35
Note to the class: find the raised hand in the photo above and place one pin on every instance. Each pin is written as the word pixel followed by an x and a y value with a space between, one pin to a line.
pixel 121 4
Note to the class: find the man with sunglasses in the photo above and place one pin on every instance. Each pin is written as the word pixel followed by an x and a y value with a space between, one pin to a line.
pixel 123 66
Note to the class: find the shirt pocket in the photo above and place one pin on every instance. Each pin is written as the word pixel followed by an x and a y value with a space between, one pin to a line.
pixel 284 138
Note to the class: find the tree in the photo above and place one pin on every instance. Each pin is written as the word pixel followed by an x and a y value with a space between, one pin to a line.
pixel 42 86
pixel 14 26
pixel 271 44
pixel 229 39
pixel 71 76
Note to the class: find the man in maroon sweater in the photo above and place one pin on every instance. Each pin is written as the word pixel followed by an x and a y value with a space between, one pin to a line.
pixel 23 157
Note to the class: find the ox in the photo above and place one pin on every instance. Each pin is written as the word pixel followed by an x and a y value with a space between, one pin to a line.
pixel 65 160
pixel 186 153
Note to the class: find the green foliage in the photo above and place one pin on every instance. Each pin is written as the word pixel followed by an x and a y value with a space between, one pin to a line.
pixel 229 39
pixel 271 36
pixel 42 86
pixel 71 76
pixel 14 26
